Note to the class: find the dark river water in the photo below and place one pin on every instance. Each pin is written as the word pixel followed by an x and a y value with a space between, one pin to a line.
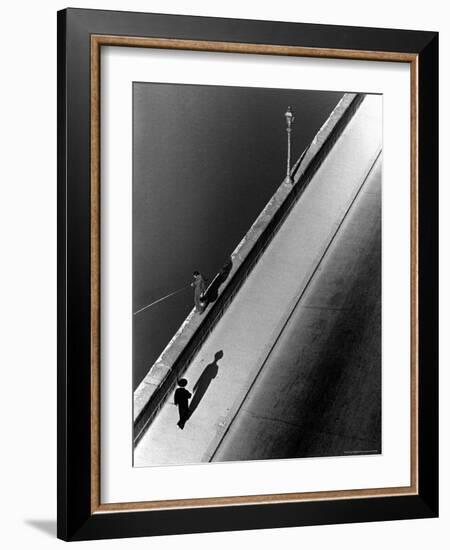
pixel 206 160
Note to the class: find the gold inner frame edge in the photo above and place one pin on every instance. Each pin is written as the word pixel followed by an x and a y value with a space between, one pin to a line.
pixel 97 41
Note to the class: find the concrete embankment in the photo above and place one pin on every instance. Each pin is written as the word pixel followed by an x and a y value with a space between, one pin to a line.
pixel 248 330
pixel 180 351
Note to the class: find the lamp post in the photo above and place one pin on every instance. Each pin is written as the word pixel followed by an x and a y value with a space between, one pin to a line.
pixel 289 121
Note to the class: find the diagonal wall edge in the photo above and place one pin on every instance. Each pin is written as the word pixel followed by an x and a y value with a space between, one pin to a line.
pixel 153 391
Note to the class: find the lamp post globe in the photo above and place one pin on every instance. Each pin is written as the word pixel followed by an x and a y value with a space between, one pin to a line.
pixel 289 117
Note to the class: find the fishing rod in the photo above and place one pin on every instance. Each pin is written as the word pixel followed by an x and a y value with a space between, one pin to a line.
pixel 176 292
pixel 161 299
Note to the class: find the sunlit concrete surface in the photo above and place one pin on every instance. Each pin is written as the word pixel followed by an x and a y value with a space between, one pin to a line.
pixel 259 311
pixel 149 388
pixel 319 392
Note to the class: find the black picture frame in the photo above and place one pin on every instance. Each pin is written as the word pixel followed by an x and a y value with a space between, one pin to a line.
pixel 78 516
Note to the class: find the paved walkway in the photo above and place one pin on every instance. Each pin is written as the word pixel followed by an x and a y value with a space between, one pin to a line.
pixel 253 321
pixel 319 391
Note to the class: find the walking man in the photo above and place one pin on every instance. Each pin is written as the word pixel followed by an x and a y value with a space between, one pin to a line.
pixel 181 398
pixel 199 288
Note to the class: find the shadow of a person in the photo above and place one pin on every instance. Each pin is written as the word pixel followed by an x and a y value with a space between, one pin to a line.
pixel 203 382
pixel 212 292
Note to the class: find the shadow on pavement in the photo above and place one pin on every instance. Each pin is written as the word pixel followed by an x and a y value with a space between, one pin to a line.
pixel 203 382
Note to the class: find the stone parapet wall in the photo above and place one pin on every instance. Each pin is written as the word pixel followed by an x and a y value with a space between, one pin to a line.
pixel 181 350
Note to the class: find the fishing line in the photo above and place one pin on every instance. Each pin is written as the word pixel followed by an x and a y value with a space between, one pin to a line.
pixel 161 299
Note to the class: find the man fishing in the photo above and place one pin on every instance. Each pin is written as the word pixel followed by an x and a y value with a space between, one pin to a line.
pixel 199 285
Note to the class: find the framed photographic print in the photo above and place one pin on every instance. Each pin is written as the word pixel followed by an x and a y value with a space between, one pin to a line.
pixel 247 254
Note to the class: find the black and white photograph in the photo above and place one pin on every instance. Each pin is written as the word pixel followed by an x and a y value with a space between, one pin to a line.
pixel 224 286
pixel 257 273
